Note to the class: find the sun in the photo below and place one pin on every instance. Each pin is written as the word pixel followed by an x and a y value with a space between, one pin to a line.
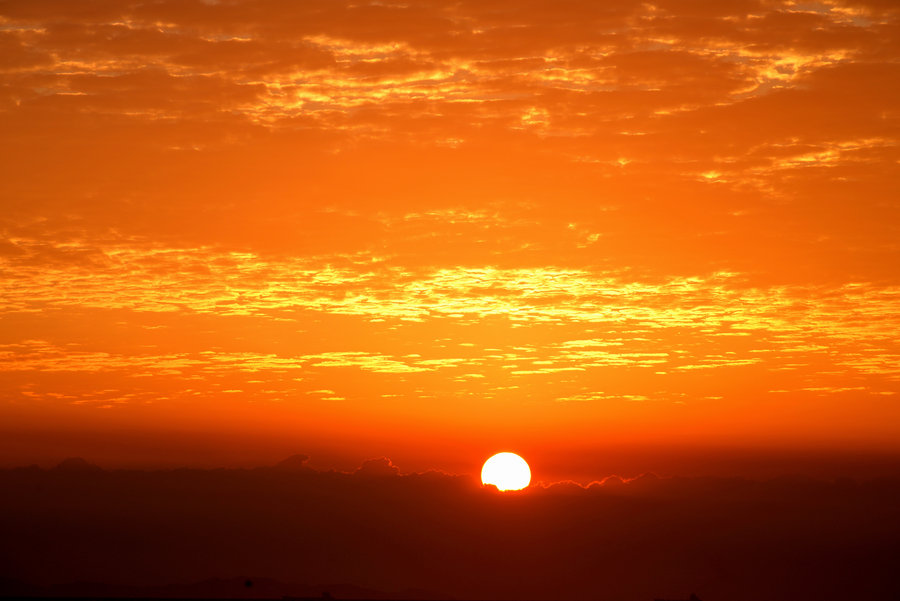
pixel 506 471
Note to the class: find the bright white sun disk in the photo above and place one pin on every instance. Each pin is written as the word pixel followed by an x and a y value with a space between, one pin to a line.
pixel 506 471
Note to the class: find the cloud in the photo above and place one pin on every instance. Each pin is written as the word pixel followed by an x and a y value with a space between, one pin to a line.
pixel 279 198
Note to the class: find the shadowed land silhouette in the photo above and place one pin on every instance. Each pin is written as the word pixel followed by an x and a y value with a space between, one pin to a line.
pixel 376 533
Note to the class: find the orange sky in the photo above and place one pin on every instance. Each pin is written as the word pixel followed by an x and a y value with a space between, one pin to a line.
pixel 435 230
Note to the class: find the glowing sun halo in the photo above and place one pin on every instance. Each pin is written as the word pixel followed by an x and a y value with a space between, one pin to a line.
pixel 506 471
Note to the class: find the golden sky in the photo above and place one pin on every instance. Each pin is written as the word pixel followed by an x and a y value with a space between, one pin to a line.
pixel 441 229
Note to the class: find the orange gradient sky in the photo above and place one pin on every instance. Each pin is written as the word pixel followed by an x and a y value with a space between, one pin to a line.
pixel 437 230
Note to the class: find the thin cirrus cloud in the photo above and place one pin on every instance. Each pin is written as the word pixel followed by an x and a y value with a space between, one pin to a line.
pixel 678 324
pixel 569 204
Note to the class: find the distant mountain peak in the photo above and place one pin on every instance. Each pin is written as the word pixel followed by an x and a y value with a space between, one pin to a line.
pixel 76 464
pixel 379 467
pixel 294 463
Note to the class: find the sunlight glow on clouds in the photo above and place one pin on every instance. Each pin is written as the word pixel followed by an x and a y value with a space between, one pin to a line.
pixel 406 206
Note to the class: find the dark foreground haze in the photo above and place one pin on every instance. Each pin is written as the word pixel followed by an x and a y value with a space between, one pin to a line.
pixel 378 532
